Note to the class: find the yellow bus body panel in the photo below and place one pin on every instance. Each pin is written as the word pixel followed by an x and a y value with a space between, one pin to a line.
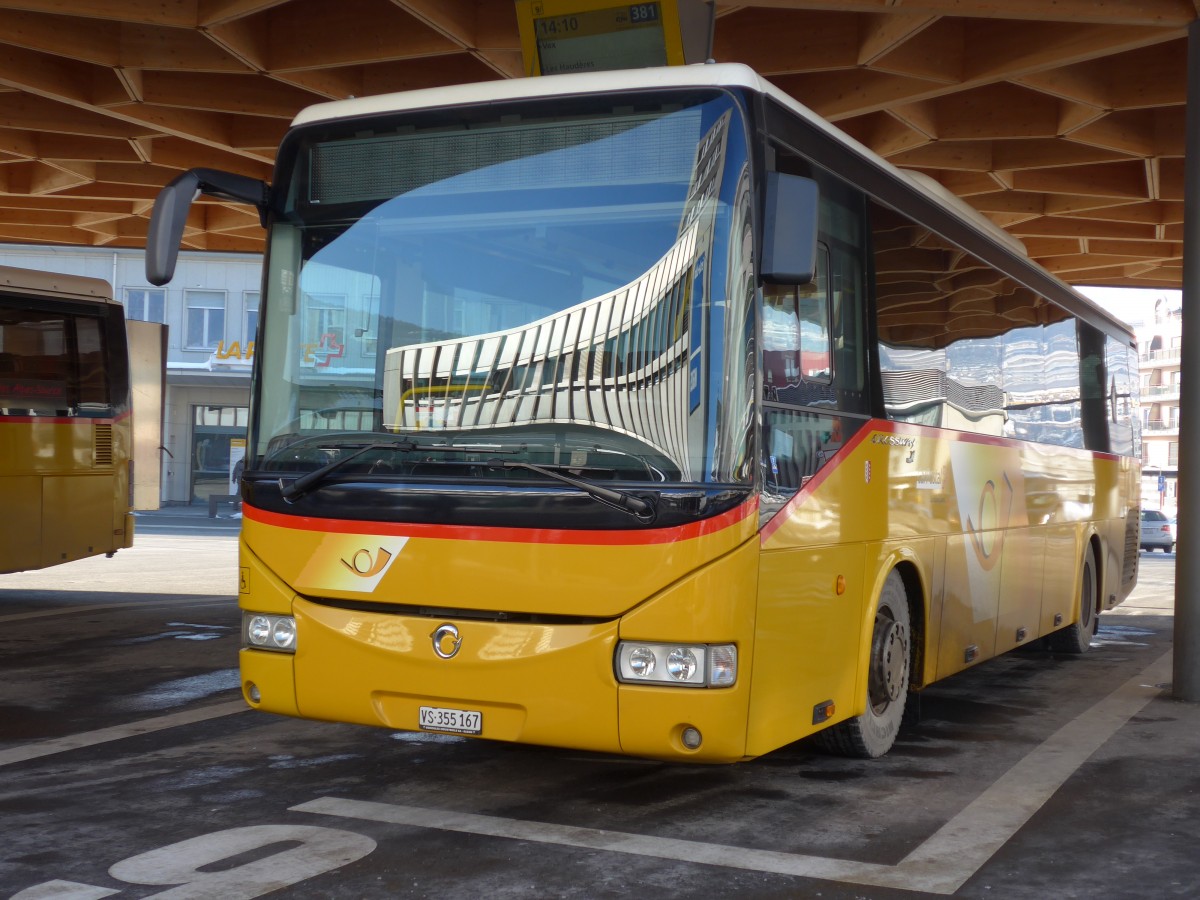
pixel 989 535
pixel 64 502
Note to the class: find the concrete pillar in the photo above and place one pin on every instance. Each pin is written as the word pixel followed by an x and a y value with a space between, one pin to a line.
pixel 1186 684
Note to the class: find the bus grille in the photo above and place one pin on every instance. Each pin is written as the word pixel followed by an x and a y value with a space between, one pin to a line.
pixel 102 445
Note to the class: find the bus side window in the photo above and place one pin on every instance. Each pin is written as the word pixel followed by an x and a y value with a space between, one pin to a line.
pixel 92 395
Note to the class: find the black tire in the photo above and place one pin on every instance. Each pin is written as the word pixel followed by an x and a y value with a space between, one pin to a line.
pixel 872 734
pixel 1077 637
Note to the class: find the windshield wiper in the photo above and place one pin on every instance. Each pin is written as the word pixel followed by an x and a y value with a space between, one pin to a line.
pixel 291 490
pixel 628 503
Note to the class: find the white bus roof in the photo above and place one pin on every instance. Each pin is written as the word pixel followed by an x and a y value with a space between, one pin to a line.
pixel 54 284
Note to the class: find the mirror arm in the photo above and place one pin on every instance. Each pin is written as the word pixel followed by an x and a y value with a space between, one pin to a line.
pixel 173 203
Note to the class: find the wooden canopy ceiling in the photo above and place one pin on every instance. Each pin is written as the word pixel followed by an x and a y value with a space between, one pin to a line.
pixel 1063 121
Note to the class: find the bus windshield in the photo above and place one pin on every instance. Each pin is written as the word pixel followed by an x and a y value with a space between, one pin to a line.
pixel 553 289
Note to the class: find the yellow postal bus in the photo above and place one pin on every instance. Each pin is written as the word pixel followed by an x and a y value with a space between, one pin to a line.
pixel 65 434
pixel 675 423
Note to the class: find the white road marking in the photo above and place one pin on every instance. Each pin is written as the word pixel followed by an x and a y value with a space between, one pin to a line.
pixel 64 890
pixel 119 732
pixel 941 864
pixel 96 607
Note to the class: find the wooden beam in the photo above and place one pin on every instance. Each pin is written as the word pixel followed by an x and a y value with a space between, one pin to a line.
pixel 1132 133
pixel 964 156
pixel 800 41
pixel 66 37
pixel 173 13
pixel 885 134
pixel 1084 83
pixel 311 34
pixel 1040 153
pixel 1177 13
pixel 1102 180
pixel 1017 202
pixel 996 111
pixel 936 53
pixel 1142 249
pixel 880 34
pixel 247 94
pixel 1039 247
pixel 1048 226
pixel 150 47
pixel 218 12
pixel 856 92
pixel 80 147
pixel 1011 49
pixel 1170 177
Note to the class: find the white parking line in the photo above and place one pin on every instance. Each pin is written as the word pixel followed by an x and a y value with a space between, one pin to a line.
pixel 96 607
pixel 119 732
pixel 941 864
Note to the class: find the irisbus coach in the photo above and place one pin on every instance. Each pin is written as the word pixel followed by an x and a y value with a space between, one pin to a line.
pixel 645 412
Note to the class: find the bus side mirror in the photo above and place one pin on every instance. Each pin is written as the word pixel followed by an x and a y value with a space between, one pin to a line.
pixel 171 211
pixel 789 245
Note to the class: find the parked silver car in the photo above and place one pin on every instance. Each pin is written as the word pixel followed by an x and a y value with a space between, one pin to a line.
pixel 1158 531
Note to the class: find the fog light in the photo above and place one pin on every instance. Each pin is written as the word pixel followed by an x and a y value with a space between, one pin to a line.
pixel 691 738
pixel 253 692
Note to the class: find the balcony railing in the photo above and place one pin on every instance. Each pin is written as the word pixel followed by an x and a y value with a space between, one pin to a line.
pixel 1168 354
pixel 1161 390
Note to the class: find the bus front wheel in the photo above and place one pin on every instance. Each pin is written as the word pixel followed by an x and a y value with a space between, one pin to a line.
pixel 872 734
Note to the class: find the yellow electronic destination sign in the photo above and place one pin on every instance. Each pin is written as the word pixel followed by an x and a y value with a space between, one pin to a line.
pixel 560 36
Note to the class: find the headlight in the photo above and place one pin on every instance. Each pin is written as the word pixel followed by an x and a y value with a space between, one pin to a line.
pixel 686 665
pixel 263 632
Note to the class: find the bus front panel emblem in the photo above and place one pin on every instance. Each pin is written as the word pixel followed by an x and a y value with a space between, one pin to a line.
pixel 446 641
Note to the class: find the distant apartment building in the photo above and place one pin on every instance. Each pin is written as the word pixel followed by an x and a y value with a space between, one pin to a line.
pixel 210 309
pixel 1160 342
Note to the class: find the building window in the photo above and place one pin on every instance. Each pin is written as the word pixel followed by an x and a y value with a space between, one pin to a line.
pixel 251 301
pixel 369 333
pixel 145 305
pixel 325 321
pixel 1173 454
pixel 204 326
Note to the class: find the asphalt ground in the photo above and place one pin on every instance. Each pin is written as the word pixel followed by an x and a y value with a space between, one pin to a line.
pixel 130 768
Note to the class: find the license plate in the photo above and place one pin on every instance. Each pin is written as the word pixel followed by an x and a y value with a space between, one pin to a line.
pixel 457 721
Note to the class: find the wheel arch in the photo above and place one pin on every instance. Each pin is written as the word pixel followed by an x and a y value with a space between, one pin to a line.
pixel 1095 546
pixel 918 602
pixel 909 565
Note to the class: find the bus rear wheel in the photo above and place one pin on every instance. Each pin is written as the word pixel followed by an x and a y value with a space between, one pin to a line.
pixel 872 734
pixel 1077 637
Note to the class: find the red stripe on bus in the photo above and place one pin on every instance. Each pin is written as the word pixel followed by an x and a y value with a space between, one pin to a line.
pixel 507 535
pixel 62 420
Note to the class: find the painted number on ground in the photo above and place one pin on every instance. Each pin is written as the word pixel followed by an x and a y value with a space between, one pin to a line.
pixel 305 851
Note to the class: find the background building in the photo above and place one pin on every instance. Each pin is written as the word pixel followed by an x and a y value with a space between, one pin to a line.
pixel 210 309
pixel 1160 342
